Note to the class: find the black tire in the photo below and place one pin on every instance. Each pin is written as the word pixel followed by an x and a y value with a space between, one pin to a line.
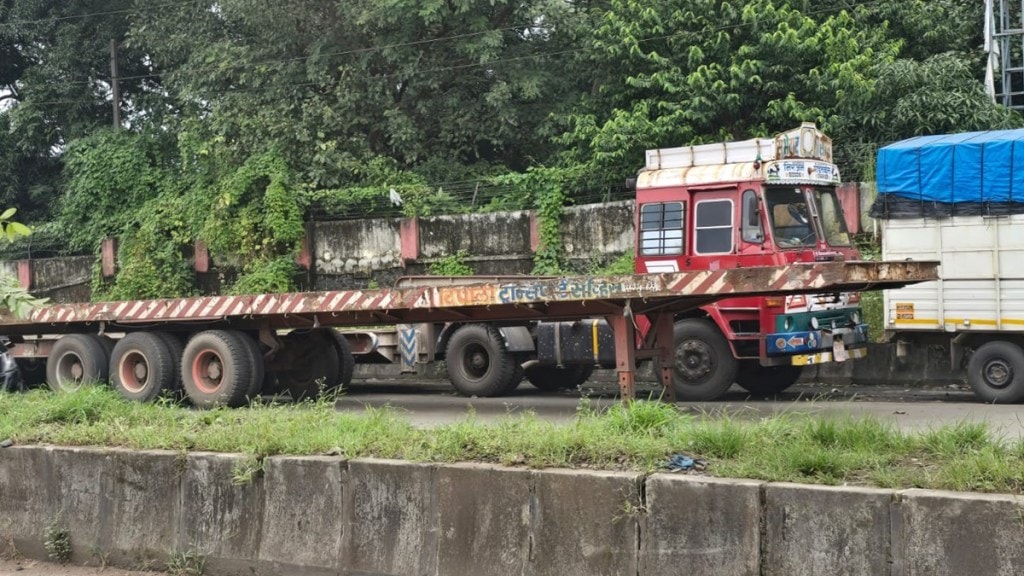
pixel 478 363
pixel 766 380
pixel 550 378
pixel 142 367
pixel 346 362
pixel 996 372
pixel 704 367
pixel 313 364
pixel 76 359
pixel 216 369
pixel 176 348
pixel 258 365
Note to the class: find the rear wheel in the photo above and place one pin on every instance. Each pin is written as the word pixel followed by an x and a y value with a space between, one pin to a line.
pixel 478 363
pixel 766 380
pixel 76 359
pixel 217 369
pixel 311 364
pixel 704 367
pixel 258 366
pixel 142 367
pixel 346 362
pixel 549 378
pixel 996 372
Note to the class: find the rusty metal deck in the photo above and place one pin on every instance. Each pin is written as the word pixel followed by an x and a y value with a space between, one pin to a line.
pixel 520 299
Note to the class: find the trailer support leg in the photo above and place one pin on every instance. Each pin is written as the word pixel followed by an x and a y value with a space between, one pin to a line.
pixel 664 329
pixel 625 355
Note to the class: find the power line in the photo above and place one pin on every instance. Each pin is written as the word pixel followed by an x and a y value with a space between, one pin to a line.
pixel 15 23
pixel 392 76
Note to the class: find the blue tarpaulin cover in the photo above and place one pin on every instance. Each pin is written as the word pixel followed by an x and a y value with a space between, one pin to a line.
pixel 976 167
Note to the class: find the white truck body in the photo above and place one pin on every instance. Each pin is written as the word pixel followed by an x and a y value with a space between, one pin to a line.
pixel 981 269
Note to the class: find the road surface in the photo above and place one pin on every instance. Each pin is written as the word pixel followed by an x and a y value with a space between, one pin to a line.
pixel 430 403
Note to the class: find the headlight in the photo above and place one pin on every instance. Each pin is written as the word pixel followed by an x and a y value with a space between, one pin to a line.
pixel 814 323
pixel 788 325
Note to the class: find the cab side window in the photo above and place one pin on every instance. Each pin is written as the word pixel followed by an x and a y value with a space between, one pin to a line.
pixel 752 229
pixel 661 229
pixel 714 226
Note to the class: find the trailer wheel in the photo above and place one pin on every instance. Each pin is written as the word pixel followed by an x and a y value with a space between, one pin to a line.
pixel 704 366
pixel 478 363
pixel 142 367
pixel 176 348
pixel 216 369
pixel 766 380
pixel 76 359
pixel 346 362
pixel 258 365
pixel 312 364
pixel 33 371
pixel 996 372
pixel 549 378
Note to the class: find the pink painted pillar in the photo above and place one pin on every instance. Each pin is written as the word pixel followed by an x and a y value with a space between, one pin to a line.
pixel 534 232
pixel 305 256
pixel 108 257
pixel 25 274
pixel 202 263
pixel 409 239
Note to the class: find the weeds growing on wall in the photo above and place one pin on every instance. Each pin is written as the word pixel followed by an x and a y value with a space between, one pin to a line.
pixel 452 265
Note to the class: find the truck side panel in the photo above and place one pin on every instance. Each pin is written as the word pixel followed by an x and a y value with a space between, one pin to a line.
pixel 982 273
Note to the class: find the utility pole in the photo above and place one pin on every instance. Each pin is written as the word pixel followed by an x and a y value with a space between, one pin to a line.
pixel 115 85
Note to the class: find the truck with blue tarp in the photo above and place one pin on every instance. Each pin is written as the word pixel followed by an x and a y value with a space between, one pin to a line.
pixel 959 199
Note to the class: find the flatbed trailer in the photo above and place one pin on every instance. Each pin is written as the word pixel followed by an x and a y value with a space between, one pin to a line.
pixel 224 350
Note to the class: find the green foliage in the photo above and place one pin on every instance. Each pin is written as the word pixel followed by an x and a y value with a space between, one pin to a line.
pixel 186 563
pixel 113 174
pixel 452 265
pixel 624 264
pixel 57 542
pixel 273 276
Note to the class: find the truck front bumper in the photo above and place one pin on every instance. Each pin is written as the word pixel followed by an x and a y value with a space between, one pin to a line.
pixel 818 346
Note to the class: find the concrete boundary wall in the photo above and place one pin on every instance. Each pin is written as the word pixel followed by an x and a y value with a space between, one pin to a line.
pixel 326 515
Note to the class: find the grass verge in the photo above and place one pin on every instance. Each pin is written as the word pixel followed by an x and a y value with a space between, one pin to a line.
pixel 640 436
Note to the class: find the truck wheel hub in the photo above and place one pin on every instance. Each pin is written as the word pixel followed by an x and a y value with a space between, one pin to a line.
pixel 693 360
pixel 998 373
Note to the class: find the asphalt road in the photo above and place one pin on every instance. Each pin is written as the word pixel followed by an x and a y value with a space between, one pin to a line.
pixel 433 403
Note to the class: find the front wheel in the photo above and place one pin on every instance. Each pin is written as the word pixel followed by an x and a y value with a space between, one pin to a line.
pixel 478 363
pixel 996 372
pixel 704 367
pixel 766 380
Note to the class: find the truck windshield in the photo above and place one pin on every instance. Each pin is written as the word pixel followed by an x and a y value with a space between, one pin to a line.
pixel 793 224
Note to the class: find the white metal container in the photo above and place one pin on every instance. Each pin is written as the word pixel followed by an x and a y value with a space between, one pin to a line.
pixel 982 274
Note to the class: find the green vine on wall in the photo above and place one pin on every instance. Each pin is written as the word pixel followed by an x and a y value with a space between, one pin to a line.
pixel 545 189
pixel 452 265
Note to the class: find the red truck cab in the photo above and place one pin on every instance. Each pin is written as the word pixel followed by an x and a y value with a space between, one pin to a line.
pixel 761 202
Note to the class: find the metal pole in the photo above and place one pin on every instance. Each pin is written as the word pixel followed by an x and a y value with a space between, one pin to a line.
pixel 115 85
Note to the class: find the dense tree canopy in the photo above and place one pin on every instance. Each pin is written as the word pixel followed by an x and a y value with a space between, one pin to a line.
pixel 242 116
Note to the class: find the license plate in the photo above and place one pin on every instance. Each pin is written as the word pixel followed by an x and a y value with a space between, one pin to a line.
pixel 839 352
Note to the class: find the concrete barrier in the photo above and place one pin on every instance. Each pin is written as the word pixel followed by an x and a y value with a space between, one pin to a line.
pixel 811 530
pixel 949 533
pixel 326 515
pixel 707 525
